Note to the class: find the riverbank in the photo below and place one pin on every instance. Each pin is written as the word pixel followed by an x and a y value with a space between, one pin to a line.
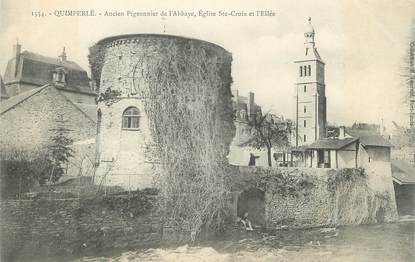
pixel 381 242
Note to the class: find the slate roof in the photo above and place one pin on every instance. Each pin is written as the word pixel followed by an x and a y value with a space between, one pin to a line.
pixel 6 105
pixel 402 172
pixel 38 70
pixel 312 55
pixel 309 54
pixel 335 143
pixel 369 138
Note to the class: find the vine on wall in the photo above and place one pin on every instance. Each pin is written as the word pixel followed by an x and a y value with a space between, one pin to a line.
pixel 353 201
pixel 286 184
pixel 185 87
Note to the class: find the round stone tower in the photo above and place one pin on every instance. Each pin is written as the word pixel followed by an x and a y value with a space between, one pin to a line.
pixel 164 101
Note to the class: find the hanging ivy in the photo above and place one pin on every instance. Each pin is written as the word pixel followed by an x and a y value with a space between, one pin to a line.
pixel 108 97
pixel 185 87
pixel 286 184
pixel 341 177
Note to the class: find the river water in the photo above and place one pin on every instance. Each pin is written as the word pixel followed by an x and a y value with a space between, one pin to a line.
pixel 385 242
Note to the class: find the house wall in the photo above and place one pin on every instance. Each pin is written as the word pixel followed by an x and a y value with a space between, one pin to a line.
pixel 379 168
pixel 346 158
pixel 377 154
pixel 79 97
pixel 26 127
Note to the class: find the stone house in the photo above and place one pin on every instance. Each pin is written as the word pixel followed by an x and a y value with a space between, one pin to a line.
pixel 41 91
pixel 26 71
pixel 245 109
pixel 27 120
pixel 333 153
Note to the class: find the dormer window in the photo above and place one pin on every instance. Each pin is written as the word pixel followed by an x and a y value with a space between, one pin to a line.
pixel 59 76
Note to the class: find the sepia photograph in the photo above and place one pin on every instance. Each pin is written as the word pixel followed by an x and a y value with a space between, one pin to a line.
pixel 270 130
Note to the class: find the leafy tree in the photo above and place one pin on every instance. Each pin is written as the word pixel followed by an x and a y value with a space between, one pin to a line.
pixel 20 169
pixel 267 132
pixel 58 152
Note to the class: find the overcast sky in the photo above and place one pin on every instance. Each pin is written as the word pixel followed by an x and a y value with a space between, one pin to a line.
pixel 362 43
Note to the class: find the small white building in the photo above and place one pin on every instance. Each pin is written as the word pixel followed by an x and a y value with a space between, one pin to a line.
pixel 350 149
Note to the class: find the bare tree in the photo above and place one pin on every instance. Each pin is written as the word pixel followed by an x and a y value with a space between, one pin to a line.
pixel 268 132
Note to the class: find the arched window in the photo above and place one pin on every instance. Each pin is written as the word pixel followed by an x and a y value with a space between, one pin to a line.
pixel 131 118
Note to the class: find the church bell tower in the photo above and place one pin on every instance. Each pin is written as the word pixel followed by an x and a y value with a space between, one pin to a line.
pixel 310 95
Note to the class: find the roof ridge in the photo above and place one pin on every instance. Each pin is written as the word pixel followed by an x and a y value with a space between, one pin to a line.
pixel 44 57
pixel 34 91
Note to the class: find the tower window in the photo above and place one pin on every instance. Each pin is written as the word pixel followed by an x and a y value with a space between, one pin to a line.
pixel 131 118
pixel 309 70
pixel 305 109
pixel 305 138
pixel 305 89
pixel 305 123
pixel 301 71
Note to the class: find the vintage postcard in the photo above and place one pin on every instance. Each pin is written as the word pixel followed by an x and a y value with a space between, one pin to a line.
pixel 270 130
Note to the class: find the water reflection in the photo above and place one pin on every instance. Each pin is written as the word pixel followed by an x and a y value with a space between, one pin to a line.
pixel 387 242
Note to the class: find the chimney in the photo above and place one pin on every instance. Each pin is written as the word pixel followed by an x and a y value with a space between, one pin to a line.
pixel 63 56
pixel 342 132
pixel 251 103
pixel 17 48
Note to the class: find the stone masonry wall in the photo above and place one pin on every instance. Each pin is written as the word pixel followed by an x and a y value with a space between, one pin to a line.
pixel 181 87
pixel 26 126
pixel 72 227
pixel 308 197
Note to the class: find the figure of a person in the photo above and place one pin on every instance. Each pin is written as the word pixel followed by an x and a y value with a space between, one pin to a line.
pixel 252 159
pixel 245 221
